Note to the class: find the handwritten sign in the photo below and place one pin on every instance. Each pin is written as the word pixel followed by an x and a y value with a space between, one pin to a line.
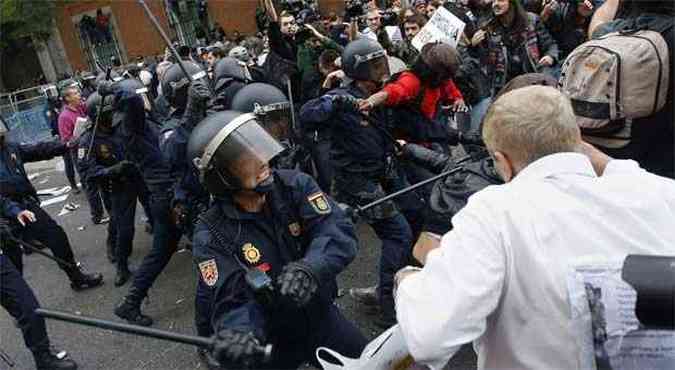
pixel 443 26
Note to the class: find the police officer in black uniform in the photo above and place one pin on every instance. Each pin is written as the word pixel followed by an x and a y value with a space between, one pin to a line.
pixel 269 248
pixel 190 198
pixel 229 76
pixel 141 145
pixel 19 300
pixel 362 154
pixel 19 196
pixel 101 156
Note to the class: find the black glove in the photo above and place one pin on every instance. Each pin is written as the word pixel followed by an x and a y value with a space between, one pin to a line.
pixel 199 93
pixel 351 212
pixel 345 103
pixel 120 168
pixel 236 349
pixel 298 282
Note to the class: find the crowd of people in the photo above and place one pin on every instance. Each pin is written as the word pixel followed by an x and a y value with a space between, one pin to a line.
pixel 263 151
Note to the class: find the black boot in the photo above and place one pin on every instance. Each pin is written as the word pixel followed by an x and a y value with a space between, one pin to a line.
pixel 123 273
pixel 46 360
pixel 81 281
pixel 130 309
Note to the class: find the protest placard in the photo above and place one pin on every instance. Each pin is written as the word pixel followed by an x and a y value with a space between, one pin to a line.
pixel 443 26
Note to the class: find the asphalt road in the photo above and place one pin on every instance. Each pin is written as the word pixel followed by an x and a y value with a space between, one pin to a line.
pixel 170 303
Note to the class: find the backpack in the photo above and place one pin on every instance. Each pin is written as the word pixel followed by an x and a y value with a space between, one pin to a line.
pixel 616 78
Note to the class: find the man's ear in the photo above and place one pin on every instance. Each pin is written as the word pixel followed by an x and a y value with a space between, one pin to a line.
pixel 504 166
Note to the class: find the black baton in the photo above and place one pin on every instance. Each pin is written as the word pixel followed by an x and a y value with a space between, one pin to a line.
pixel 264 351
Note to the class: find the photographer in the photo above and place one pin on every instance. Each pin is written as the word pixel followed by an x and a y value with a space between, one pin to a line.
pixel 375 29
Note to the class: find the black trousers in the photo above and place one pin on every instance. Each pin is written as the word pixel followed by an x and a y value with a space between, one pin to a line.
pixel 46 231
pixel 18 299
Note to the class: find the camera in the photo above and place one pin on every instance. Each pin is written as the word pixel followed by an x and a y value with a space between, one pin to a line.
pixel 354 8
pixel 389 18
pixel 293 6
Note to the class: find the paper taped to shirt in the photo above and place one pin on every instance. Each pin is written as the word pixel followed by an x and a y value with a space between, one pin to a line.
pixel 603 310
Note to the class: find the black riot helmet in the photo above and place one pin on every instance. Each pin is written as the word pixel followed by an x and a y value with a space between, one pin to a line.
pixel 175 84
pixel 93 104
pixel 132 84
pixel 227 69
pixel 365 60
pixel 228 148
pixel 269 105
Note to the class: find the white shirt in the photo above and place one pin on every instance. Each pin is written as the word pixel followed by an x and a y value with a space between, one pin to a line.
pixel 499 277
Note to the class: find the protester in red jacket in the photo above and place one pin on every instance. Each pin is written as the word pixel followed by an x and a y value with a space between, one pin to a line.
pixel 428 83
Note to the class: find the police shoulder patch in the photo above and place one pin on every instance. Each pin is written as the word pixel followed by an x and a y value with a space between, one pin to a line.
pixel 81 153
pixel 209 271
pixel 320 203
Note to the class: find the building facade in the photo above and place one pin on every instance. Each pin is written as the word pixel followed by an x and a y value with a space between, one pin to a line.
pixel 89 31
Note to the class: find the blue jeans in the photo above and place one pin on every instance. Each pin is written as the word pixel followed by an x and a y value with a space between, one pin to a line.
pixel 478 111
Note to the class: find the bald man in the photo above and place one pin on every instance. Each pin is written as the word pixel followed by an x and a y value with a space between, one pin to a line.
pixel 499 278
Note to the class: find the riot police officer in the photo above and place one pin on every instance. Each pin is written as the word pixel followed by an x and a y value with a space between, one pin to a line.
pixel 141 145
pixel 362 154
pixel 19 300
pixel 101 156
pixel 189 101
pixel 229 76
pixel 190 198
pixel 269 248
pixel 22 208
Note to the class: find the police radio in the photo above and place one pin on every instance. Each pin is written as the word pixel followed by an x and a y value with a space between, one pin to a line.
pixel 262 286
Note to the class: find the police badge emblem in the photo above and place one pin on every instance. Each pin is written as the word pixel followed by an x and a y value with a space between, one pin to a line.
pixel 209 271
pixel 81 153
pixel 251 253
pixel 320 203
pixel 294 228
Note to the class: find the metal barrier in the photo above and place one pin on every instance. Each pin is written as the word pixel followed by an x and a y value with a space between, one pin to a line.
pixel 24 111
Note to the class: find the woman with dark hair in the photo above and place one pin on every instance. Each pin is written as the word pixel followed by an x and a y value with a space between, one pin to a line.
pixel 516 42
pixel 428 83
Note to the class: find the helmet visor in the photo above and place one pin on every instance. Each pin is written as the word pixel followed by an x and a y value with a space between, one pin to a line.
pixel 241 152
pixel 275 118
pixel 378 69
